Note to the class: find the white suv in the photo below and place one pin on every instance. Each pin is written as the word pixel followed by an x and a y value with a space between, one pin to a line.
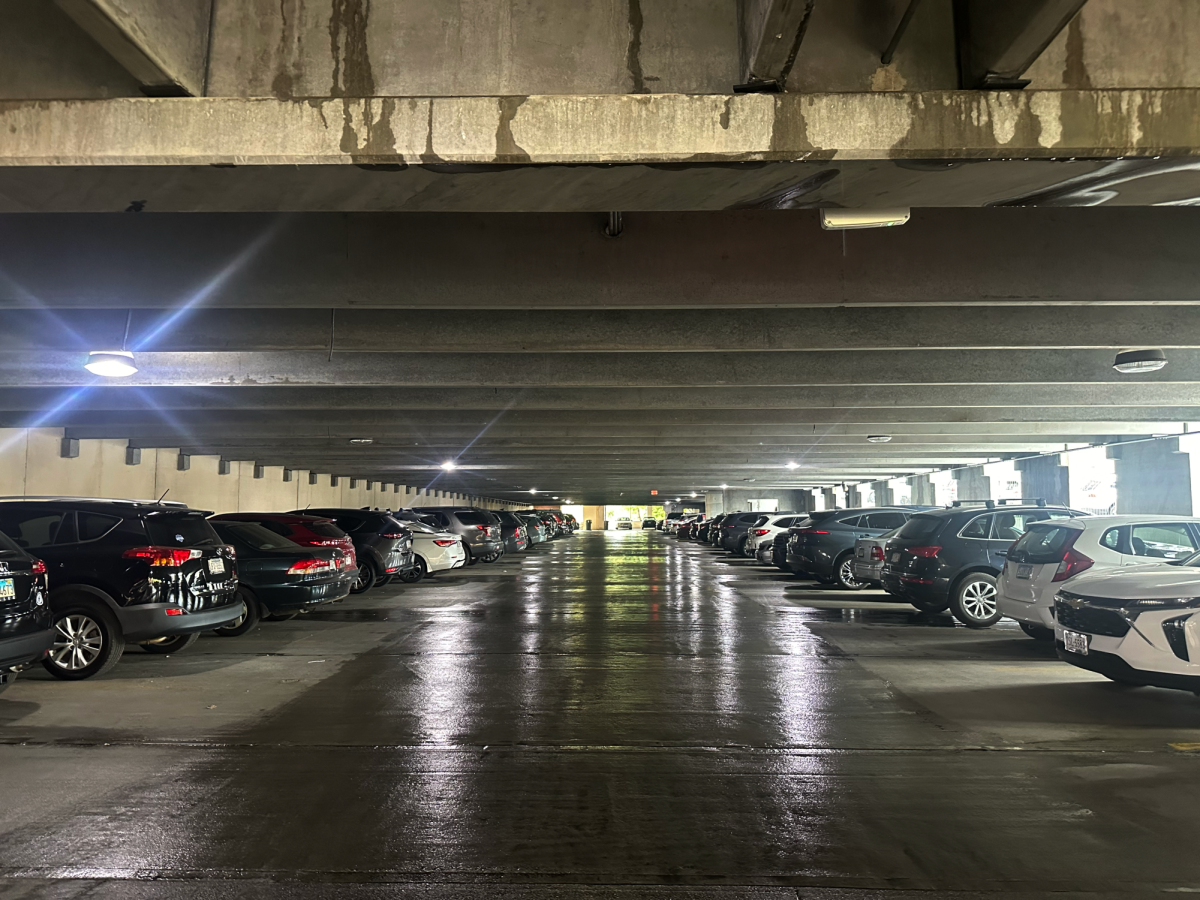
pixel 762 533
pixel 1052 553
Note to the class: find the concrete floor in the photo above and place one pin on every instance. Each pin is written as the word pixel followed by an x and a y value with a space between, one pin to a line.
pixel 615 715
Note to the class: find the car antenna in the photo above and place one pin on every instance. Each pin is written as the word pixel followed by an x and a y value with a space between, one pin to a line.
pixel 164 493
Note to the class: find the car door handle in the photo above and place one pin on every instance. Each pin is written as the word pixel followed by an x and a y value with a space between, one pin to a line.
pixel 1001 552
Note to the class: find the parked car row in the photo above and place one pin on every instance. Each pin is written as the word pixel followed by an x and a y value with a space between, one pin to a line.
pixel 80 579
pixel 1118 595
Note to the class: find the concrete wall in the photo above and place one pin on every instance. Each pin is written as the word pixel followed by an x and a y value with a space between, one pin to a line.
pixel 1153 477
pixel 31 465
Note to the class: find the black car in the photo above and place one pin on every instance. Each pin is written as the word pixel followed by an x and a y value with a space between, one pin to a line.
pixel 26 626
pixel 382 545
pixel 951 557
pixel 478 528
pixel 124 571
pixel 823 547
pixel 513 530
pixel 712 534
pixel 278 577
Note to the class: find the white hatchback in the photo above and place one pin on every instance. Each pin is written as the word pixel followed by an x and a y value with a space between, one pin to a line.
pixel 764 531
pixel 1051 554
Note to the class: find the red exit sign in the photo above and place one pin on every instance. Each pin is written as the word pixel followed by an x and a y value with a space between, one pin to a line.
pixel 654 493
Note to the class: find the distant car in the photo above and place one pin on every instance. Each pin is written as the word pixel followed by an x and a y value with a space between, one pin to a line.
pixel 762 532
pixel 1136 625
pixel 305 530
pixel 535 528
pixel 514 531
pixel 478 528
pixel 650 523
pixel 278 577
pixel 1050 554
pixel 124 571
pixel 26 632
pixel 624 525
pixel 952 557
pixel 824 547
pixel 868 557
pixel 434 550
pixel 735 530
pixel 382 545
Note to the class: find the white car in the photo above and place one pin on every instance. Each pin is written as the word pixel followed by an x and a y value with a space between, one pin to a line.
pixel 1137 625
pixel 1052 553
pixel 624 525
pixel 764 532
pixel 434 551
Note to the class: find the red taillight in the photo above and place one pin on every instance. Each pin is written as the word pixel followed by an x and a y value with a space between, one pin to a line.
pixel 1073 562
pixel 162 556
pixel 395 536
pixel 811 531
pixel 760 531
pixel 173 611
pixel 310 567
pixel 37 567
pixel 923 552
pixel 445 543
pixel 877 554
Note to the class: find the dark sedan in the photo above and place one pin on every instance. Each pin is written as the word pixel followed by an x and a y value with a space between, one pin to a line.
pixel 279 578
pixel 382 545
pixel 26 635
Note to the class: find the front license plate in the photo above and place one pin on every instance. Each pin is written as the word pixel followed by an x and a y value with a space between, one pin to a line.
pixel 216 566
pixel 1024 571
pixel 7 591
pixel 1076 642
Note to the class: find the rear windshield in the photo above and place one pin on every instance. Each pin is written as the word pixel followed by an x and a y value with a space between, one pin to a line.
pixel 9 550
pixel 252 535
pixel 1042 544
pixel 419 527
pixel 920 528
pixel 180 530
pixel 471 517
pixel 325 529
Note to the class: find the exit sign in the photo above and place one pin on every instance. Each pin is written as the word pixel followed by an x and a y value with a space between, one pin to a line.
pixel 654 493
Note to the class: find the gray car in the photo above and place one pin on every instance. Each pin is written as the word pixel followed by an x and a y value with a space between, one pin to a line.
pixel 383 545
pixel 824 547
pixel 868 558
pixel 479 529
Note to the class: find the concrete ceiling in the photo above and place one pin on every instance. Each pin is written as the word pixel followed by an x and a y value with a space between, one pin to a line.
pixel 694 350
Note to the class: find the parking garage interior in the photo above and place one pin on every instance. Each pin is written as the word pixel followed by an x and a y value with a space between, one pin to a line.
pixel 592 259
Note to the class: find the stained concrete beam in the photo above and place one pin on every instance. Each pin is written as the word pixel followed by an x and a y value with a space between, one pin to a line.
pixel 770 35
pixel 999 41
pixel 161 43
pixel 603 130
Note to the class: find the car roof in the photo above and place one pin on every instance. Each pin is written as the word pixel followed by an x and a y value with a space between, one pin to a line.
pixel 172 505
pixel 284 518
pixel 1131 519
pixel 984 510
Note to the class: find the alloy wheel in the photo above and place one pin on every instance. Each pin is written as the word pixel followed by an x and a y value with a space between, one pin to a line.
pixel 78 641
pixel 979 600
pixel 846 574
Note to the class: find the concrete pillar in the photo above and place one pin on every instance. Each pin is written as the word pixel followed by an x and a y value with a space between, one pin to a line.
pixel 1045 477
pixel 922 490
pixel 973 484
pixel 1153 477
pixel 883 493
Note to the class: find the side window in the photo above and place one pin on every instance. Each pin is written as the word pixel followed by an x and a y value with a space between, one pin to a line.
pixel 977 527
pixel 1010 526
pixel 785 523
pixel 1059 514
pixel 93 526
pixel 1170 540
pixel 31 529
pixel 886 520
pixel 1112 540
pixel 852 522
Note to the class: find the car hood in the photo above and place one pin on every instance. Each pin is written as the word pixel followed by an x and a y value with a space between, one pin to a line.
pixel 1152 581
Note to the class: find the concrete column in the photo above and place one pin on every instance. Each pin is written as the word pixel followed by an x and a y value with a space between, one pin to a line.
pixel 1153 477
pixel 973 484
pixel 922 490
pixel 1045 477
pixel 883 493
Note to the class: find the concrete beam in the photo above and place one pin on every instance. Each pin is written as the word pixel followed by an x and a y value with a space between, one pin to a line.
pixel 161 43
pixel 601 130
pixel 999 41
pixel 770 34
pixel 628 331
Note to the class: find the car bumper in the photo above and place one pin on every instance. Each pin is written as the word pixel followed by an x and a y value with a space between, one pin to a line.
pixel 25 648
pixel 864 571
pixel 937 590
pixel 149 621
pixel 818 568
pixel 1113 666
pixel 1028 613
pixel 287 597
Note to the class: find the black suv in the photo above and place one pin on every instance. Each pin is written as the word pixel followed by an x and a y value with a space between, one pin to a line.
pixel 26 635
pixel 120 571
pixel 950 558
pixel 823 547
pixel 478 528
pixel 383 546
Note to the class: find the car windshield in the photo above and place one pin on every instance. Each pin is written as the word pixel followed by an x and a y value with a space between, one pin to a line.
pixel 180 530
pixel 1043 543
pixel 419 527
pixel 325 529
pixel 9 550
pixel 919 528
pixel 252 535
pixel 471 517
pixel 1192 560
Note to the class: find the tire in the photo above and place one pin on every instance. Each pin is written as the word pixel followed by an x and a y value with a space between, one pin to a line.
pixel 973 600
pixel 741 547
pixel 367 576
pixel 471 558
pixel 87 640
pixel 492 557
pixel 248 620
pixel 173 644
pixel 843 569
pixel 1038 632
pixel 929 606
pixel 384 580
pixel 416 573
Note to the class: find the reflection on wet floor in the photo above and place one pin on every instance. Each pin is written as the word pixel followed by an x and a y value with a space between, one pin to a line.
pixel 612 709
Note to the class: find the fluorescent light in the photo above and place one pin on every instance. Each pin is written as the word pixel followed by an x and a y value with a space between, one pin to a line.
pixel 110 363
pixel 533 490
pixel 843 219
pixel 1134 362
pixel 792 465
pixel 449 466
pixel 362 440
pixel 724 487
pixel 693 495
pixel 878 438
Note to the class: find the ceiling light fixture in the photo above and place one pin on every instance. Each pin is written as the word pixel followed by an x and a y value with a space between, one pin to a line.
pixel 1135 362
pixel 533 490
pixel 110 363
pixel 693 495
pixel 724 487
pixel 449 466
pixel 362 440
pixel 792 465
pixel 878 438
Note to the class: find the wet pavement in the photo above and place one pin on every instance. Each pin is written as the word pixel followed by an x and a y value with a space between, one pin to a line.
pixel 614 715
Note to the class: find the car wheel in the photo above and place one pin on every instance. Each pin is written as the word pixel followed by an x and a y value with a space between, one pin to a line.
pixel 1038 632
pixel 245 621
pixel 367 577
pixel 844 573
pixel 974 601
pixel 384 580
pixel 416 573
pixel 172 644
pixel 471 560
pixel 87 641
pixel 491 557
pixel 741 547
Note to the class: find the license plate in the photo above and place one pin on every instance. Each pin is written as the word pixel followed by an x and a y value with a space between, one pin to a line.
pixel 896 557
pixel 7 591
pixel 1076 642
pixel 216 566
pixel 1024 571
